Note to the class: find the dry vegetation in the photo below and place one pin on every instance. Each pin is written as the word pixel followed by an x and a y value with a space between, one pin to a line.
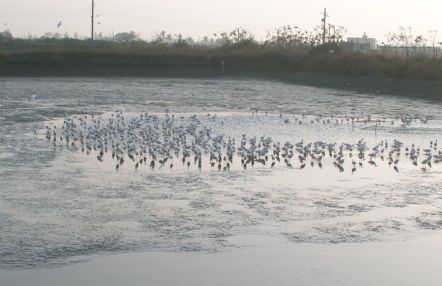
pixel 315 59
pixel 287 51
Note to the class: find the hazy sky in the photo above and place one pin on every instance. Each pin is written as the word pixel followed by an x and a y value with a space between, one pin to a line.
pixel 197 18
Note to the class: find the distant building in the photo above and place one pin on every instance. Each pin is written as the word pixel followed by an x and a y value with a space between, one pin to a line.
pixel 126 37
pixel 363 44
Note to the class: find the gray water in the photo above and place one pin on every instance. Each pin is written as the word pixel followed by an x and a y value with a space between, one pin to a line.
pixel 59 206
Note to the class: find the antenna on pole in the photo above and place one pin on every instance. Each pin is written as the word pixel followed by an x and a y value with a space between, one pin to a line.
pixel 92 20
pixel 324 26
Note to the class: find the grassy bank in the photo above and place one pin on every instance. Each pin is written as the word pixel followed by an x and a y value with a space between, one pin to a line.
pixel 417 76
pixel 316 60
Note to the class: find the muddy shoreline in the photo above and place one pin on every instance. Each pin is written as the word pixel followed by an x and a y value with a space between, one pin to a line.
pixel 411 88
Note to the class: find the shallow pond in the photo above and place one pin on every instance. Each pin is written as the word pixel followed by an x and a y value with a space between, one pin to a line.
pixel 59 206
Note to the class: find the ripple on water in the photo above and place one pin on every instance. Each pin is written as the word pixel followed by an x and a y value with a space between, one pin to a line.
pixel 349 232
pixel 430 220
pixel 58 206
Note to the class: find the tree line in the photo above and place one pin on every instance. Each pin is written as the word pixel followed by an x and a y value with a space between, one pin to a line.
pixel 401 43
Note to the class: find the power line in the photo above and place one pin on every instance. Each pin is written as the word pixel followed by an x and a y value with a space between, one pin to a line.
pixel 39 4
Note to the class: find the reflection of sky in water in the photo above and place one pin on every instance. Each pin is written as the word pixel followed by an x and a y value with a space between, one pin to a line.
pixel 56 204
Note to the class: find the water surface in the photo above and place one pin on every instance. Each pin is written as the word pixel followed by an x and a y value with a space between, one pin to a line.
pixel 59 207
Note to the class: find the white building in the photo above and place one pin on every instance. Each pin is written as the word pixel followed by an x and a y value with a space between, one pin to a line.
pixel 363 44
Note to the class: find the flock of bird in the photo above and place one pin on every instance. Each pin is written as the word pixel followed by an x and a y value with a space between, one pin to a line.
pixel 303 119
pixel 158 141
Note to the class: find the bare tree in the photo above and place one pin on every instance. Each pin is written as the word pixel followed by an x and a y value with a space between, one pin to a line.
pixel 432 39
pixel 405 37
pixel 286 36
pixel 239 37
pixel 419 44
pixel 339 34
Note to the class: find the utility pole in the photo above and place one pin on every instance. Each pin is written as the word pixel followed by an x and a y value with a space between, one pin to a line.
pixel 92 19
pixel 324 27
